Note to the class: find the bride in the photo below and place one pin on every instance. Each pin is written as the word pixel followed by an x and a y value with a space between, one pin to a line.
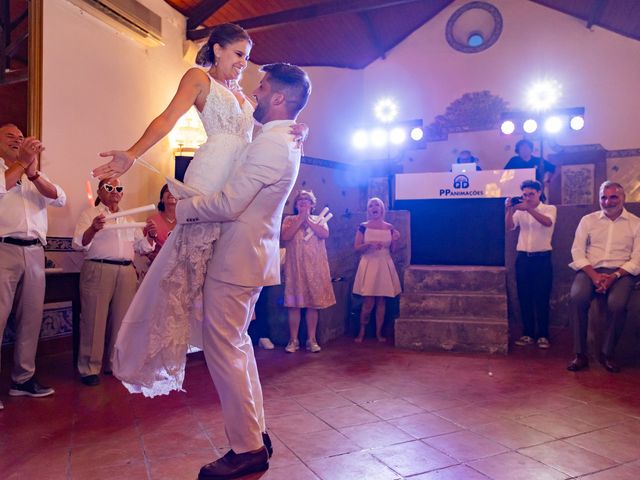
pixel 165 316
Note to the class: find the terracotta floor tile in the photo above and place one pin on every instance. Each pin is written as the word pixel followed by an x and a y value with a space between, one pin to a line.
pixel 290 472
pixel 436 401
pixel 616 446
pixel 283 456
pixel 364 394
pixel 466 445
pixel 346 416
pixel 424 425
pixel 106 453
pixel 352 466
pixel 629 471
pixel 597 416
pixel 315 402
pixel 466 416
pixel 126 471
pixel 513 466
pixel 512 434
pixel 378 434
pixel 458 472
pixel 326 443
pixel 412 458
pixel 389 408
pixel 556 424
pixel 567 458
pixel 284 406
pixel 168 443
pixel 180 467
pixel 296 423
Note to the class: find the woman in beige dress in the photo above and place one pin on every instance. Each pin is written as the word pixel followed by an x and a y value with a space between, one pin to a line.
pixel 306 267
pixel 376 277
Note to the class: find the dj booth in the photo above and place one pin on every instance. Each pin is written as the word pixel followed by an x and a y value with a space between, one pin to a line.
pixel 457 218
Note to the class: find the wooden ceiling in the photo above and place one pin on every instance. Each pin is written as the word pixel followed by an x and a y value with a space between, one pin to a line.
pixel 354 33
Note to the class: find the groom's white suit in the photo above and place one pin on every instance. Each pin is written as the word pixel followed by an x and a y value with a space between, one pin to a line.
pixel 246 258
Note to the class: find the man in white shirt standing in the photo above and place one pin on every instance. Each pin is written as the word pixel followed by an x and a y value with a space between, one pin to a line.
pixel 25 194
pixel 533 262
pixel 107 277
pixel 606 255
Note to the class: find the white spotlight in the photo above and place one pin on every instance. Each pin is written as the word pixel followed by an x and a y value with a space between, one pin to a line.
pixel 553 124
pixel 577 122
pixel 386 110
pixel 530 126
pixel 543 95
pixel 507 127
pixel 416 134
pixel 379 137
pixel 360 139
pixel 397 135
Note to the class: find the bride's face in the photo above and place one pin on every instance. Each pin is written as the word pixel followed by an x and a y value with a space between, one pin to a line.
pixel 232 59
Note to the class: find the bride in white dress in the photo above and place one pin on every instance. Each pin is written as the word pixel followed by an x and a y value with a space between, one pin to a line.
pixel 165 316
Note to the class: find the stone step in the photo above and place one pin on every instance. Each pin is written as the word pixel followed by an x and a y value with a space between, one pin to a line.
pixel 428 278
pixel 453 334
pixel 446 304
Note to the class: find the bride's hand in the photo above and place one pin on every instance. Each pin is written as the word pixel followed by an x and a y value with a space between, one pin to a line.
pixel 121 161
pixel 300 132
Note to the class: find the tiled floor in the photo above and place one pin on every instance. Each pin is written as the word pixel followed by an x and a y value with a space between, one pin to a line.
pixel 351 412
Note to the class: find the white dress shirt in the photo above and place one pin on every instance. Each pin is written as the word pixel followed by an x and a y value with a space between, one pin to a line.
pixel 534 237
pixel 24 208
pixel 603 243
pixel 114 244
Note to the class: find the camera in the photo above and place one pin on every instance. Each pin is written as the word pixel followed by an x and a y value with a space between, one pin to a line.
pixel 516 200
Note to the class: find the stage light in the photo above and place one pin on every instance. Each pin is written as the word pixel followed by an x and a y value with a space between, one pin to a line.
pixel 577 122
pixel 379 137
pixel 397 136
pixel 416 134
pixel 553 124
pixel 507 127
pixel 530 126
pixel 360 139
pixel 543 95
pixel 386 110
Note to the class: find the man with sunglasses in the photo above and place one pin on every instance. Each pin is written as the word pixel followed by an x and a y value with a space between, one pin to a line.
pixel 25 194
pixel 107 277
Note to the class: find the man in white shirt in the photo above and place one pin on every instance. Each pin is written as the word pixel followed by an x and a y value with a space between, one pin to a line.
pixel 25 194
pixel 107 277
pixel 246 257
pixel 606 255
pixel 533 263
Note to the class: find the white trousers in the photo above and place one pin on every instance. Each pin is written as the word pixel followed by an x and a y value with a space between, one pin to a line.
pixel 229 352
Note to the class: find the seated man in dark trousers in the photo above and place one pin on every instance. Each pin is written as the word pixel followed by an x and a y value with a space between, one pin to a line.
pixel 533 263
pixel 606 255
pixel 25 194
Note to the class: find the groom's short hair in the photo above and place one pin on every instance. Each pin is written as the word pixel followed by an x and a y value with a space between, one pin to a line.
pixel 292 81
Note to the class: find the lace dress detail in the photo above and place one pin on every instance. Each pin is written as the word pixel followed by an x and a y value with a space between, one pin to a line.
pixel 166 314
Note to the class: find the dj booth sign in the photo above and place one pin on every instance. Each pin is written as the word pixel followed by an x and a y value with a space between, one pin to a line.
pixel 457 218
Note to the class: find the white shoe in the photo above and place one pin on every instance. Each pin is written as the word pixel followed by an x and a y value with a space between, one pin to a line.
pixel 543 342
pixel 266 343
pixel 313 347
pixel 1 406
pixel 292 346
pixel 524 341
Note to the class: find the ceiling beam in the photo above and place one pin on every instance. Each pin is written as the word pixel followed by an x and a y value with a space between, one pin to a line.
pixel 596 11
pixel 301 14
pixel 373 34
pixel 203 11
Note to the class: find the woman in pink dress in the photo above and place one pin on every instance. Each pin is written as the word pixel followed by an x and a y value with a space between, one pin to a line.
pixel 164 219
pixel 307 278
pixel 376 277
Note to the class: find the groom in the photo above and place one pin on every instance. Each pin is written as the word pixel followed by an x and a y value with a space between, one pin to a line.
pixel 246 258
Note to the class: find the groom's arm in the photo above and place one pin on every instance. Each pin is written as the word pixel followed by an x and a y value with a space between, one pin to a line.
pixel 264 164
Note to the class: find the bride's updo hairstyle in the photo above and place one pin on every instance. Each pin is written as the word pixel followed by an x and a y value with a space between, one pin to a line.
pixel 223 34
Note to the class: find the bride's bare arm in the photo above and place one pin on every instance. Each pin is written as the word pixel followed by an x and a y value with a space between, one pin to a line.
pixel 193 85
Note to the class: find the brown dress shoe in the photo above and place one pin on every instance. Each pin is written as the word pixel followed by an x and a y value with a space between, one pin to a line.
pixel 579 363
pixel 609 364
pixel 235 465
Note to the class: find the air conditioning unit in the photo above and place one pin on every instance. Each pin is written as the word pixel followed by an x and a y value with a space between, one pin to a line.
pixel 127 16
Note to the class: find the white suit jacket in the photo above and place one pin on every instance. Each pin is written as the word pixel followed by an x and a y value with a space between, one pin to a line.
pixel 250 208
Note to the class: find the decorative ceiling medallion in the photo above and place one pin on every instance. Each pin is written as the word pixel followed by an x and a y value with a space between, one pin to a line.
pixel 474 27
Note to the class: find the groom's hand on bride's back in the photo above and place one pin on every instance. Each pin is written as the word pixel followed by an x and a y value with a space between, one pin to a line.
pixel 121 161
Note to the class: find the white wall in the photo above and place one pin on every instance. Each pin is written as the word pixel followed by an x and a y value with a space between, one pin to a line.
pixel 100 89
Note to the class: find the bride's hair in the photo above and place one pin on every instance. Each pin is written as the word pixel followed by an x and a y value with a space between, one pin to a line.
pixel 223 34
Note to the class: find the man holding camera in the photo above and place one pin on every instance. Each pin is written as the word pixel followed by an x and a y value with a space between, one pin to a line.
pixel 533 262
pixel 606 256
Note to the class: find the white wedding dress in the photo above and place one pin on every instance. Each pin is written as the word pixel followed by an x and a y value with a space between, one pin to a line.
pixel 166 314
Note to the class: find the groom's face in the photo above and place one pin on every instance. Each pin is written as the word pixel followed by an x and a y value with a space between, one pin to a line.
pixel 262 95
